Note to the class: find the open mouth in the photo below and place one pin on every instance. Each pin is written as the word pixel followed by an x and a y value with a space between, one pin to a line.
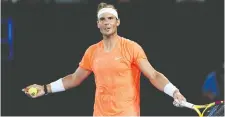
pixel 107 29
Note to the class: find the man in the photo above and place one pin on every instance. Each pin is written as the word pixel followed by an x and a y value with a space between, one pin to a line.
pixel 116 63
pixel 213 90
pixel 213 87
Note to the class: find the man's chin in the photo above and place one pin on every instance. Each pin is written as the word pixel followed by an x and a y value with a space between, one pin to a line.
pixel 108 34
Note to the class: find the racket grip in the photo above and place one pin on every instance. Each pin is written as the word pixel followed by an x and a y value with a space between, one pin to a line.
pixel 187 104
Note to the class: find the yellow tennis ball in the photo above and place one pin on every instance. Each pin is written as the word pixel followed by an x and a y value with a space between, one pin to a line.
pixel 33 91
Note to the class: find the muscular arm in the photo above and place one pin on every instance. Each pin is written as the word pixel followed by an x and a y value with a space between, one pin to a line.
pixel 161 82
pixel 73 80
pixel 155 77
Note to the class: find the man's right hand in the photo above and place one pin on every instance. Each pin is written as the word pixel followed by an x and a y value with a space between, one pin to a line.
pixel 40 91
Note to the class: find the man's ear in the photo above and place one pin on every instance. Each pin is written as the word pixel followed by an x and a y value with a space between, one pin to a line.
pixel 118 22
pixel 98 24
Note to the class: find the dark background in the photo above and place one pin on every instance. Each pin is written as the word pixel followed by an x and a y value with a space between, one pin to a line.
pixel 182 40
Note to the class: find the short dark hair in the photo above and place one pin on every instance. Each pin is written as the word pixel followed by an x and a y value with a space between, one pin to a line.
pixel 105 5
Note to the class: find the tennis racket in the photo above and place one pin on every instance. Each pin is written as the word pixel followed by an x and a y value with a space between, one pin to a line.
pixel 198 107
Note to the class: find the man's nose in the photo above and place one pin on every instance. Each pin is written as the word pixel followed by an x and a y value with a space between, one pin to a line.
pixel 106 22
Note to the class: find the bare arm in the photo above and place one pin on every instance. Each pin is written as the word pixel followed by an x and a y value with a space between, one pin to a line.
pixel 73 80
pixel 155 77
pixel 160 81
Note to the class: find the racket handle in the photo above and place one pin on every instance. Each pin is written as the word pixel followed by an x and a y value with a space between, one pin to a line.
pixel 187 104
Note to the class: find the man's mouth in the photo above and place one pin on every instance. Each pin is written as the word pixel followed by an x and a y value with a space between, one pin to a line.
pixel 107 29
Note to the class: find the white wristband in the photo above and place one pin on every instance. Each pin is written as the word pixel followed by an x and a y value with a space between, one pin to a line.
pixel 57 86
pixel 169 89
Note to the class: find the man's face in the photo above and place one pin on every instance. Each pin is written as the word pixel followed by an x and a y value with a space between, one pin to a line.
pixel 108 24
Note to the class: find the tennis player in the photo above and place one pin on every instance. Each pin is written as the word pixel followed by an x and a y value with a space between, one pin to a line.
pixel 117 64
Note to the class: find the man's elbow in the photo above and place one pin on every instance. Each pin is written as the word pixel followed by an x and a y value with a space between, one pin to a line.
pixel 75 80
pixel 152 75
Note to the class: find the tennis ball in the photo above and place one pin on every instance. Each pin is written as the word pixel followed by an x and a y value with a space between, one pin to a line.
pixel 32 91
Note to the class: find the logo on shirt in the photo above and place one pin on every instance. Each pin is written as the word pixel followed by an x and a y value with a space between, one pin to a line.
pixel 117 58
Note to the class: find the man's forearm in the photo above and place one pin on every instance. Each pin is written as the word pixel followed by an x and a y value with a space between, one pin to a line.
pixel 159 81
pixel 68 82
pixel 163 84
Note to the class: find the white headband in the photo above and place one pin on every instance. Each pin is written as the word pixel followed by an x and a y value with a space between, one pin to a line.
pixel 108 10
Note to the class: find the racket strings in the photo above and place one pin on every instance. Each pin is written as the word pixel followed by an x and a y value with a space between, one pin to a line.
pixel 220 111
pixel 207 107
pixel 216 110
pixel 213 110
